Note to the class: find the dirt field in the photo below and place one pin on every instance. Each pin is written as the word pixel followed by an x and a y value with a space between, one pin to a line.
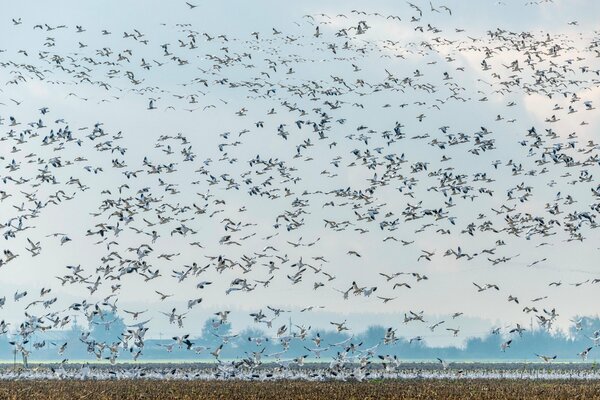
pixel 409 389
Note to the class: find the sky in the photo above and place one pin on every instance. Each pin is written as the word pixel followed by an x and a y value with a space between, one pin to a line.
pixel 123 107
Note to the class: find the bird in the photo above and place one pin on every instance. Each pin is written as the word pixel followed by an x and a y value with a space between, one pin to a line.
pixel 546 359
pixel 311 139
pixel 584 354
pixel 505 345
pixel 443 363
pixel 163 296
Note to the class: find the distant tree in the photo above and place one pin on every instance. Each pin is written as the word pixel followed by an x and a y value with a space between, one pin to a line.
pixel 488 346
pixel 583 326
pixel 246 341
pixel 212 331
pixel 75 348
pixel 373 335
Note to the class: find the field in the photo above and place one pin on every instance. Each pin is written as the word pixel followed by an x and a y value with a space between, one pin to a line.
pixel 388 389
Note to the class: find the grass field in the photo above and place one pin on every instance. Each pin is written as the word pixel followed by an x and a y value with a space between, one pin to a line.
pixel 389 389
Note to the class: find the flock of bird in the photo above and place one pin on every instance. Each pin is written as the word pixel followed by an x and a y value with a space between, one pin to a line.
pixel 358 167
pixel 313 372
